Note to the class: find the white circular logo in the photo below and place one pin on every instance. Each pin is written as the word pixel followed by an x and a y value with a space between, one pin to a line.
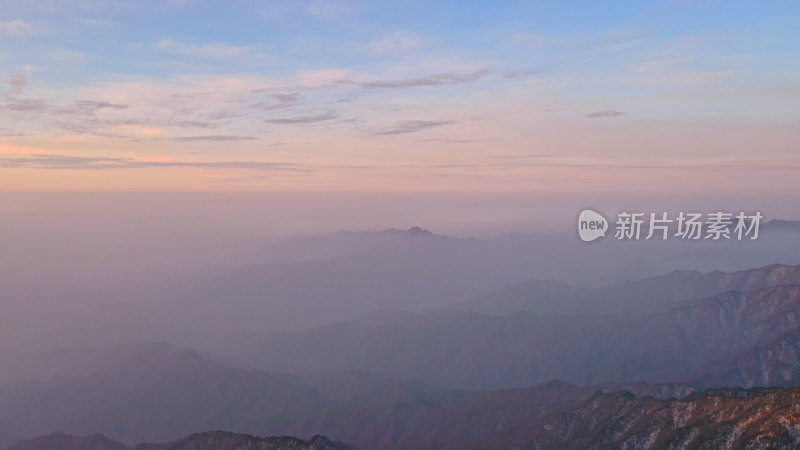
pixel 591 225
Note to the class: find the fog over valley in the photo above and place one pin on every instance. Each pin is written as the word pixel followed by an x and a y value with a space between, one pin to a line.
pixel 192 273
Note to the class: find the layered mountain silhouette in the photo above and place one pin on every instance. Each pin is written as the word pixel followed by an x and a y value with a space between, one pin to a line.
pixel 156 397
pixel 160 396
pixel 509 370
pixel 628 298
pixel 217 440
pixel 323 280
pixel 63 441
pixel 722 418
pixel 717 319
pixel 774 363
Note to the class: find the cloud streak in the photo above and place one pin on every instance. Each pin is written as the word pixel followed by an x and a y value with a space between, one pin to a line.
pixel 24 105
pixel 18 82
pixel 92 105
pixel 213 138
pixel 604 114
pixel 524 73
pixel 52 161
pixel 280 101
pixel 330 115
pixel 440 79
pixel 78 107
pixel 533 156
pixel 412 126
pixel 16 28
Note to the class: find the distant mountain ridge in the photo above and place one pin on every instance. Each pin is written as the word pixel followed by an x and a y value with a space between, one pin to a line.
pixel 459 379
pixel 773 363
pixel 722 419
pixel 64 441
pixel 212 440
pixel 222 440
pixel 160 398
pixel 156 397
pixel 629 298
pixel 414 231
pixel 471 350
pixel 345 242
pixel 782 225
pixel 757 419
pixel 322 280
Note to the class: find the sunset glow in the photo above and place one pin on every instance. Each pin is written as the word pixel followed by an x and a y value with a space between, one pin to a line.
pixel 368 96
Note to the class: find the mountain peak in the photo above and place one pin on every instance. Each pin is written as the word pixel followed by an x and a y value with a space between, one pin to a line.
pixel 413 231
pixel 65 441
pixel 197 441
pixel 226 439
pixel 782 225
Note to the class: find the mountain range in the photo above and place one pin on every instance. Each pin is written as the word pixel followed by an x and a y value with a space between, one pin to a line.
pixel 324 280
pixel 509 369
pixel 553 416
pixel 722 419
pixel 217 440
pixel 711 322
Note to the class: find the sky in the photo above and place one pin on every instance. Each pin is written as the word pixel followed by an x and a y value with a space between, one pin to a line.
pixel 660 98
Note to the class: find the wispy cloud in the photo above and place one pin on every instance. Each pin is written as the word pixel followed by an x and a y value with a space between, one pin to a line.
pixel 533 156
pixel 412 126
pixel 524 73
pixel 96 117
pixel 451 140
pixel 17 28
pixel 90 107
pixel 213 138
pixel 37 105
pixel 53 161
pixel 6 132
pixel 47 161
pixel 20 80
pixel 289 98
pixel 279 101
pixel 181 123
pixel 24 105
pixel 329 115
pixel 439 79
pixel 112 128
pixel 604 114
pixel 232 104
pixel 95 105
